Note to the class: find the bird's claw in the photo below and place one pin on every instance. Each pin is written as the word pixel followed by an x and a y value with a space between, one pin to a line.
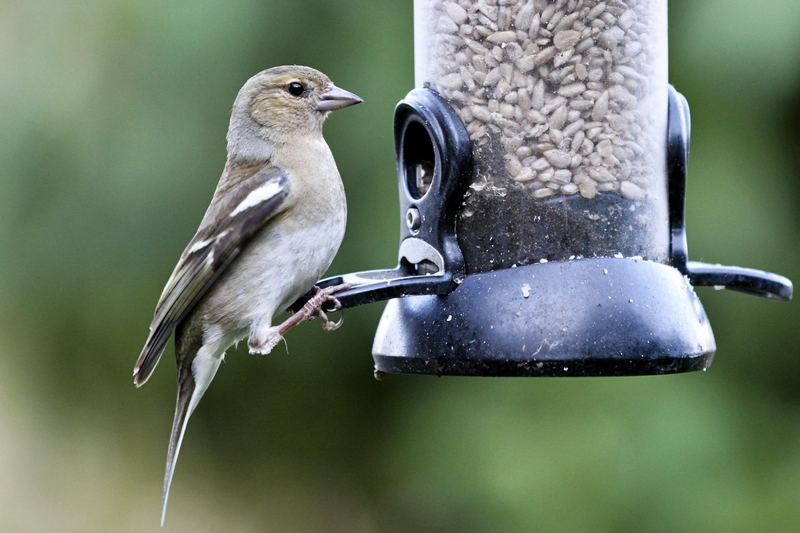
pixel 320 298
pixel 327 324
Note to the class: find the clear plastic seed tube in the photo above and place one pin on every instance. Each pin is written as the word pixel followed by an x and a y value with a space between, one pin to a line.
pixel 566 105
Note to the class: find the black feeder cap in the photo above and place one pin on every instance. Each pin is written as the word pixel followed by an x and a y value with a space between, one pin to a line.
pixel 590 317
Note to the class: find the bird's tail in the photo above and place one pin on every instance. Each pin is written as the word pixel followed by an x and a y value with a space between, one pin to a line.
pixel 197 364
pixel 185 391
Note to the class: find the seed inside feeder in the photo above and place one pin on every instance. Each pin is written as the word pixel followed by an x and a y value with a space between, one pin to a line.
pixel 563 100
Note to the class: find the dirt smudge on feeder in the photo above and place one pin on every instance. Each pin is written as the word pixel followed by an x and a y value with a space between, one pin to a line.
pixel 526 290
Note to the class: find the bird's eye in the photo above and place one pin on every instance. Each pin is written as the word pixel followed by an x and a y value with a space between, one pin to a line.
pixel 295 88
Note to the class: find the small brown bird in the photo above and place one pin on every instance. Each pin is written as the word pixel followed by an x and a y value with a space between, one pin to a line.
pixel 274 225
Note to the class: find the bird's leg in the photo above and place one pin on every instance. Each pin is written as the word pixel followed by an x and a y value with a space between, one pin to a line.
pixel 311 309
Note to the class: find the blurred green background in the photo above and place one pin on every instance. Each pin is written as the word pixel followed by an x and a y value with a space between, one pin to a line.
pixel 113 116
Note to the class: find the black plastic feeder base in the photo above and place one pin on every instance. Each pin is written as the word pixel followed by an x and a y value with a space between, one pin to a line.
pixel 587 317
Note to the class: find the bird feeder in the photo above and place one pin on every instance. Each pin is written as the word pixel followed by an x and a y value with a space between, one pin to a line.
pixel 542 165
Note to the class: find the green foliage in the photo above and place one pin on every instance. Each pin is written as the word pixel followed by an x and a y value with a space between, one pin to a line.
pixel 112 123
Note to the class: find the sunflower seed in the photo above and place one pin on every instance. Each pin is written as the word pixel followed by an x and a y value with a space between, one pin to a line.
pixel 559 89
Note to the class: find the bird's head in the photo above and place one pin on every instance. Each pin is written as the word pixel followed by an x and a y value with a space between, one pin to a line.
pixel 281 102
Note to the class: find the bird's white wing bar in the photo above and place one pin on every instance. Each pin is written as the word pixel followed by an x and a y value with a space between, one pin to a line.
pixel 262 194
pixel 254 202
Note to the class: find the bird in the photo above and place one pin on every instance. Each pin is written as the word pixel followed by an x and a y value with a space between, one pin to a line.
pixel 274 224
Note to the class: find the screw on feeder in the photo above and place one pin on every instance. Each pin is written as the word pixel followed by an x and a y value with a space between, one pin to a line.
pixel 413 219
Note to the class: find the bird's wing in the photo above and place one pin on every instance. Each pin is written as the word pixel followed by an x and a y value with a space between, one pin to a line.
pixel 249 206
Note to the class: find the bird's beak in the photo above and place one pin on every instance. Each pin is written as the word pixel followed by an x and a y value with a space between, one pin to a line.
pixel 336 98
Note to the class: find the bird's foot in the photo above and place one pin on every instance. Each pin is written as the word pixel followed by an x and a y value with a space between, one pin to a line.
pixel 320 298
pixel 313 308
pixel 263 344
